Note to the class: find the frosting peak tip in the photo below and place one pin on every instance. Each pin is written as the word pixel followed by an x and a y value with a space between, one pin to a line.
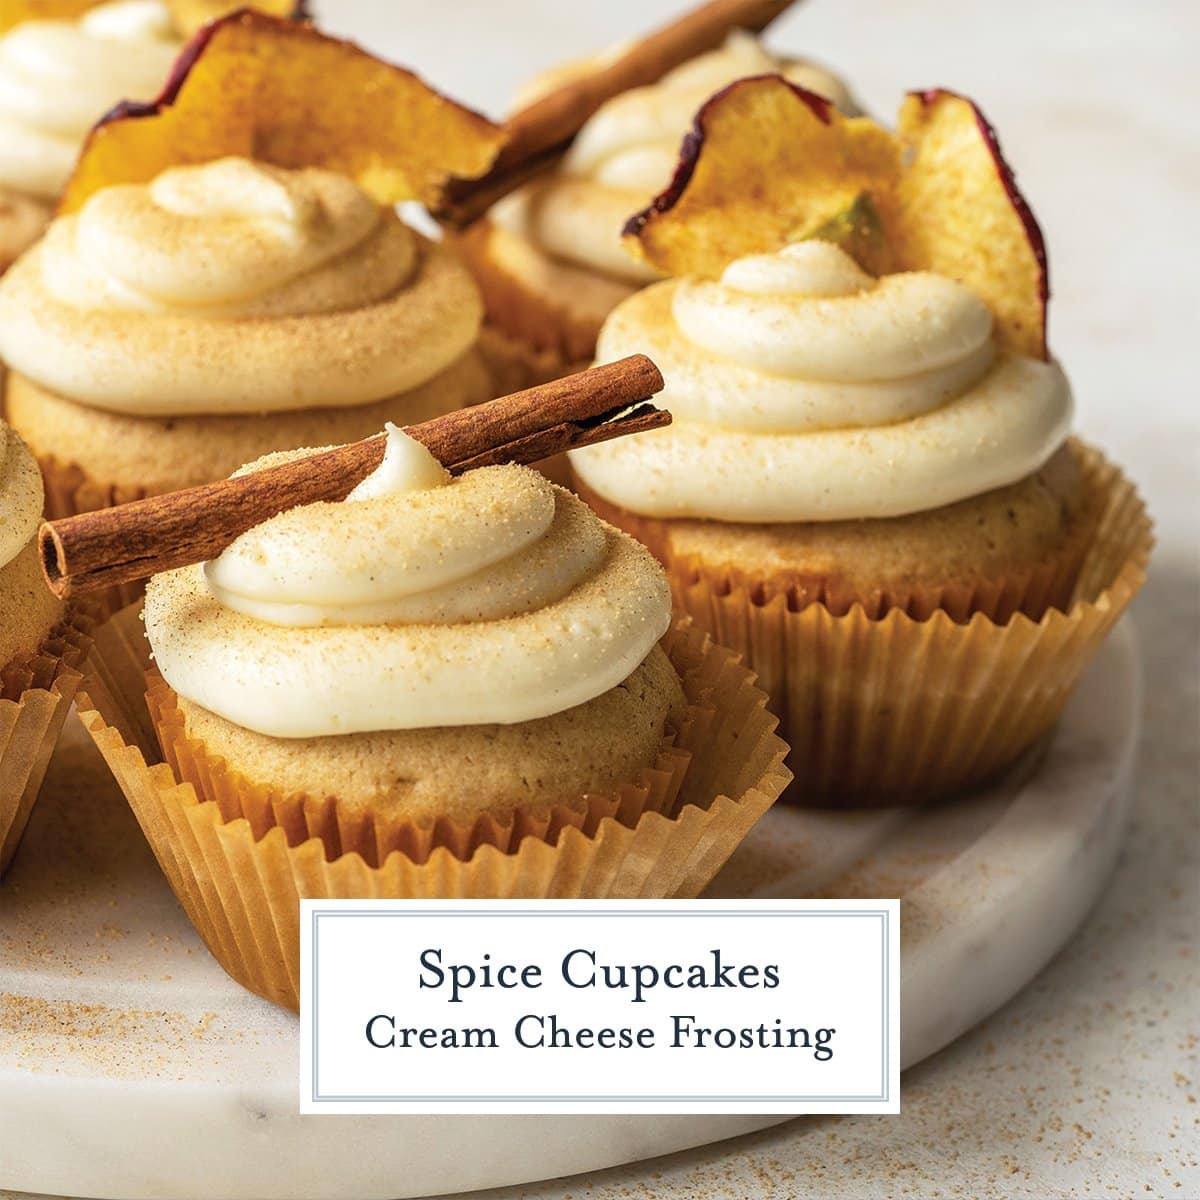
pixel 407 467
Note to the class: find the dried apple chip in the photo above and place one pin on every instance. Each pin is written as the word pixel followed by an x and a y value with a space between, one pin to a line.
pixel 279 91
pixel 766 163
pixel 858 229
pixel 960 214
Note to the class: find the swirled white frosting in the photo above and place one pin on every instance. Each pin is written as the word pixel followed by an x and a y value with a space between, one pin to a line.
pixel 805 390
pixel 20 495
pixel 627 153
pixel 421 601
pixel 234 286
pixel 58 78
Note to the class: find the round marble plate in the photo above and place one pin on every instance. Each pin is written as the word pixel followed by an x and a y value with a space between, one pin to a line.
pixel 130 1066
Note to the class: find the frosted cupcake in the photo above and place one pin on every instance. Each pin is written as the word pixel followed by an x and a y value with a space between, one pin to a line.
pixel 166 330
pixel 40 650
pixel 869 488
pixel 549 257
pixel 192 308
pixel 435 688
pixel 57 78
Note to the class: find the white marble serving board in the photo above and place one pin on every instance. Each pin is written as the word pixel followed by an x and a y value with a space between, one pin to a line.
pixel 131 1067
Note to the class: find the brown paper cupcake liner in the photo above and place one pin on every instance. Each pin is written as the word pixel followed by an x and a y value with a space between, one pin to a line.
pixel 936 696
pixel 36 692
pixel 240 859
pixel 376 835
pixel 70 490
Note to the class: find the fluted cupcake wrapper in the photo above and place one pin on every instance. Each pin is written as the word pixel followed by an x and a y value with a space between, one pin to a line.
pixel 916 704
pixel 374 836
pixel 241 859
pixel 35 696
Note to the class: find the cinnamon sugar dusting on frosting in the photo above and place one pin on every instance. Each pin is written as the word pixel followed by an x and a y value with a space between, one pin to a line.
pixel 805 390
pixel 235 287
pixel 492 599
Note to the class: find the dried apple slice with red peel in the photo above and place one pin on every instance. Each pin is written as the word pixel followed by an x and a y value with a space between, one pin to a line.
pixel 960 213
pixel 765 162
pixel 768 163
pixel 281 92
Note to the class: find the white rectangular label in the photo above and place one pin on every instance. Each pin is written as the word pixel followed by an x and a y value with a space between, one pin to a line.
pixel 600 1006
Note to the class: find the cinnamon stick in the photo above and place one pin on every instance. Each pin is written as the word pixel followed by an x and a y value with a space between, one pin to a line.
pixel 133 541
pixel 539 133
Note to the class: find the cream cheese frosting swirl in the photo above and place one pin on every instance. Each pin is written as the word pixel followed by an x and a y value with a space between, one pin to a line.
pixel 627 153
pixel 57 78
pixel 420 601
pixel 234 287
pixel 20 495
pixel 803 389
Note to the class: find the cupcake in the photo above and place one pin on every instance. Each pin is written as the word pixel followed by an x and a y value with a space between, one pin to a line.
pixel 549 258
pixel 40 647
pixel 434 688
pixel 192 307
pixel 869 490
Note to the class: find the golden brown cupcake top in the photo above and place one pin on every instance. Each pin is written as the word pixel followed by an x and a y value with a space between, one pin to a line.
pixel 420 601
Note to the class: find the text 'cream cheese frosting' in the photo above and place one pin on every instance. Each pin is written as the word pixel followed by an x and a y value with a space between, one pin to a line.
pixel 803 389
pixel 234 286
pixel 627 153
pixel 20 495
pixel 420 601
pixel 58 78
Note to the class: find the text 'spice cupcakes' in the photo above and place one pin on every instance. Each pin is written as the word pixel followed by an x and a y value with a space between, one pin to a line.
pixel 41 648
pixel 549 258
pixel 869 489
pixel 435 688
pixel 228 276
